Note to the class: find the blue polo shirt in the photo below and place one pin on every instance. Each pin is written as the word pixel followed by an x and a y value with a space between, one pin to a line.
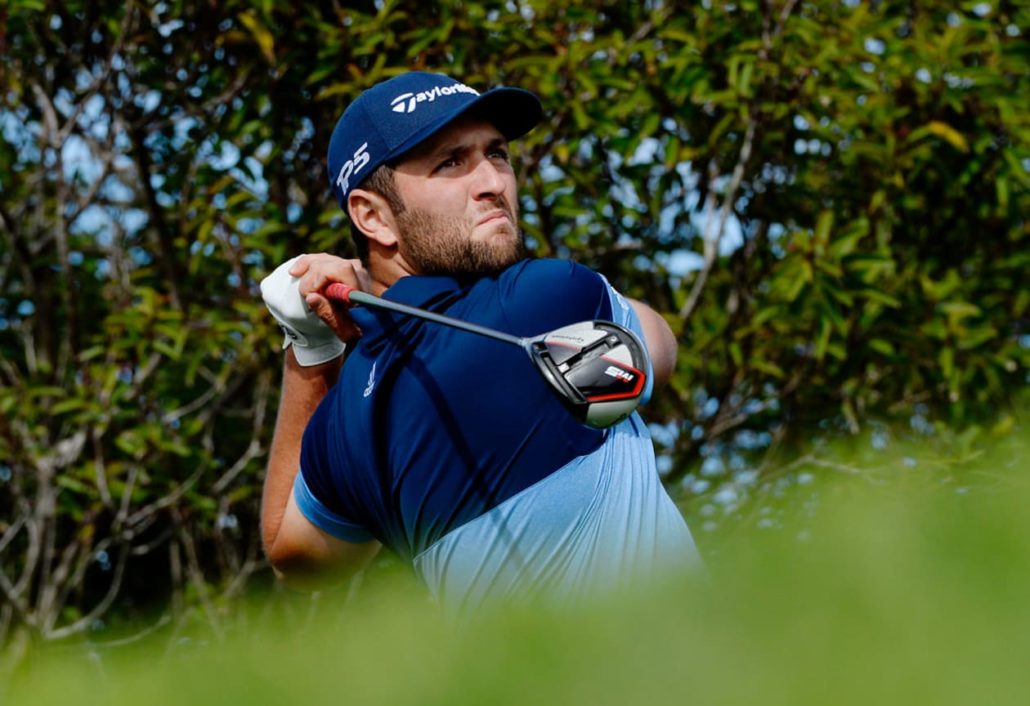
pixel 452 450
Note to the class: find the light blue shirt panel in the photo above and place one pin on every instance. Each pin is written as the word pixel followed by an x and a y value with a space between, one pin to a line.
pixel 602 521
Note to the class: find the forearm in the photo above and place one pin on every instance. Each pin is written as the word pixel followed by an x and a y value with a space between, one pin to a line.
pixel 303 389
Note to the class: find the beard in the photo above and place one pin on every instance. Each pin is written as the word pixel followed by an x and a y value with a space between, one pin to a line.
pixel 444 246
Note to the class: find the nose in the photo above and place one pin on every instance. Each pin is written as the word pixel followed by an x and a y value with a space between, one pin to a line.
pixel 489 180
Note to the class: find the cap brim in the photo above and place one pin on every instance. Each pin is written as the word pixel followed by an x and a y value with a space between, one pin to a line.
pixel 513 111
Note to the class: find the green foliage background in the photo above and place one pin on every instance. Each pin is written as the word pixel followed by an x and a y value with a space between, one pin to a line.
pixel 827 200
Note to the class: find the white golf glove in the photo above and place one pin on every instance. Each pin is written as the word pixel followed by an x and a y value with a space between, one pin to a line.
pixel 313 342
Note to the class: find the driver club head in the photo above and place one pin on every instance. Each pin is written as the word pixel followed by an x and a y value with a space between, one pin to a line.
pixel 596 367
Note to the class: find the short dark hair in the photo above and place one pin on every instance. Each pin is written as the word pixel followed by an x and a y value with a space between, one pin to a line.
pixel 380 182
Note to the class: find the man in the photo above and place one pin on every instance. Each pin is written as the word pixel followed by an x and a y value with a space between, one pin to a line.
pixel 447 447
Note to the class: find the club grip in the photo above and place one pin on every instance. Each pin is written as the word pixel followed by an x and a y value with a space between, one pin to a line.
pixel 339 292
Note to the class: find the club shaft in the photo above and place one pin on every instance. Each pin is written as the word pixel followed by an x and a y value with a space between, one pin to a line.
pixel 356 296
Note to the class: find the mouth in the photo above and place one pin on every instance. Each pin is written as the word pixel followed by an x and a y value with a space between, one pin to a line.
pixel 493 216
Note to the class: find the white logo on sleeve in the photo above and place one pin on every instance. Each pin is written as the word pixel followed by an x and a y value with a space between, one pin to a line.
pixel 371 381
pixel 408 102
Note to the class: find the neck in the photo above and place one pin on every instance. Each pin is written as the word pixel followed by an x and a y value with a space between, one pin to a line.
pixel 385 269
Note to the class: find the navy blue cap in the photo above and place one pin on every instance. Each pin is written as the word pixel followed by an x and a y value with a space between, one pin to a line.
pixel 394 116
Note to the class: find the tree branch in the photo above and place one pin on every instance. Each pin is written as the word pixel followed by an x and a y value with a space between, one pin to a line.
pixel 16 601
pixel 55 590
pixel 712 240
pixel 167 500
pixel 100 608
pixel 255 448
pixel 168 261
pixel 54 139
pixel 196 575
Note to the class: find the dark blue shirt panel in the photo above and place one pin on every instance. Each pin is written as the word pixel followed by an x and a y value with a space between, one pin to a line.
pixel 452 423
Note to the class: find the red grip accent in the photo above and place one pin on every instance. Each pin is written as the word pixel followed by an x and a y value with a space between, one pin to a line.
pixel 339 292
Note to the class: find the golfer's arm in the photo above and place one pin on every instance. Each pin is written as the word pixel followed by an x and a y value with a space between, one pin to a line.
pixel 303 389
pixel 309 559
pixel 660 341
pixel 303 556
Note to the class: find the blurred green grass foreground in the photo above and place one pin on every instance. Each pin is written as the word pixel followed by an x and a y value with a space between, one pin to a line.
pixel 904 590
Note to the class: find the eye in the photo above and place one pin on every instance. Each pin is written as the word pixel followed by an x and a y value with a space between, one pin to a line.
pixel 499 153
pixel 447 163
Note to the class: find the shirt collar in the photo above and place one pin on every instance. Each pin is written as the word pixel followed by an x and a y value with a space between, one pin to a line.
pixel 418 290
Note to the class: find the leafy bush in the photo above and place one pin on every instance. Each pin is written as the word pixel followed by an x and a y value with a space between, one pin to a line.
pixel 827 201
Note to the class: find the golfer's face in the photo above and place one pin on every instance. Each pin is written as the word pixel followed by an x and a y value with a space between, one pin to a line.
pixel 462 176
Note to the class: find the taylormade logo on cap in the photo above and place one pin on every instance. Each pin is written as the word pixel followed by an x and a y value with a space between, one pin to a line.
pixel 407 102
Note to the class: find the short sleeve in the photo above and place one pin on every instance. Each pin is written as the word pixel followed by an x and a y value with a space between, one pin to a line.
pixel 324 518
pixel 315 487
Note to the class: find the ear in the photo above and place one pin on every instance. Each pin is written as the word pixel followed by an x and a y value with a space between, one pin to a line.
pixel 373 216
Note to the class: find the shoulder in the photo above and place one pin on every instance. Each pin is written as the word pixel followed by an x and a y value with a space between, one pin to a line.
pixel 565 274
pixel 550 293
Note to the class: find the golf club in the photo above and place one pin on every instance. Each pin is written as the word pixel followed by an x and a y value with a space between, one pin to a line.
pixel 595 367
